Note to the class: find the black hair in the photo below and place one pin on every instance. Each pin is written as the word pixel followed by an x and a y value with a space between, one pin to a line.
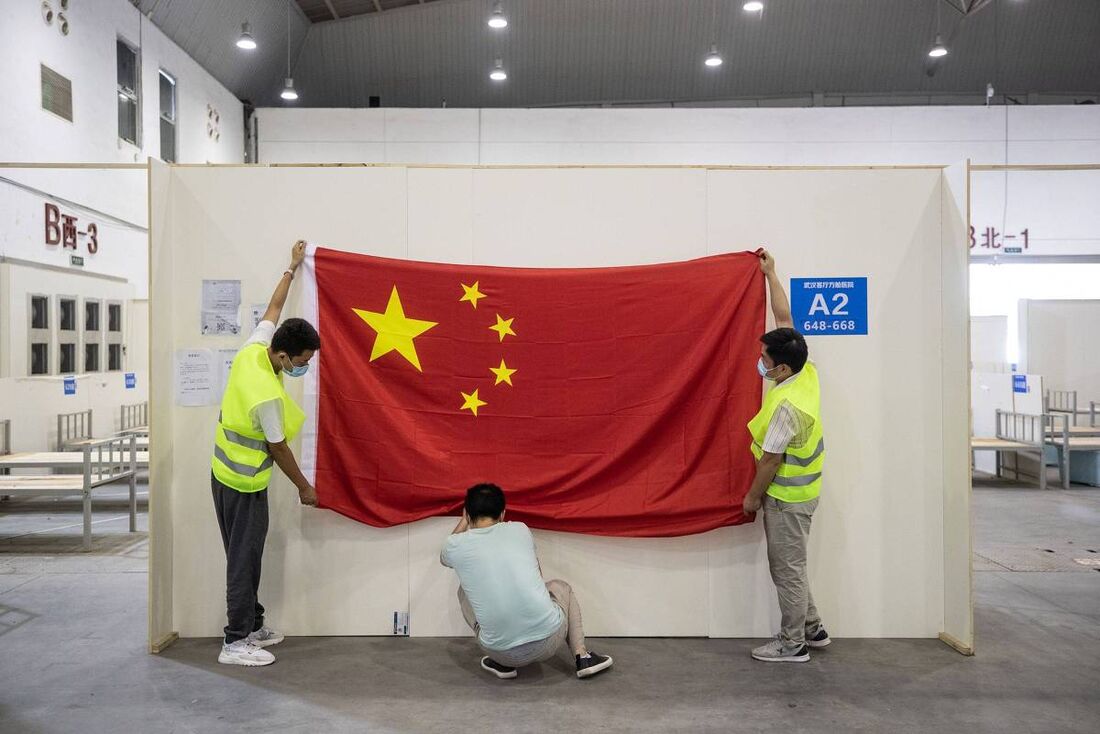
pixel 786 346
pixel 484 500
pixel 295 336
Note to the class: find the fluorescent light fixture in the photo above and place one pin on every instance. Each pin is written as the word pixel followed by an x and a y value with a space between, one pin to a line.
pixel 288 90
pixel 938 49
pixel 497 19
pixel 246 41
pixel 713 59
pixel 753 6
pixel 498 74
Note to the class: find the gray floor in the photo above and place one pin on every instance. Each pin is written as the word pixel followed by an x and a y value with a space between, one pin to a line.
pixel 72 658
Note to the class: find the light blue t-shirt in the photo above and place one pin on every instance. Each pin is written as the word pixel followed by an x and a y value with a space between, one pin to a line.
pixel 499 572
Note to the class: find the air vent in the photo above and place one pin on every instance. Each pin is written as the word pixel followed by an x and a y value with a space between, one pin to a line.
pixel 57 93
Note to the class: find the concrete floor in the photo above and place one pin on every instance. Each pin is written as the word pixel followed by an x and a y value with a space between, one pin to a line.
pixel 72 654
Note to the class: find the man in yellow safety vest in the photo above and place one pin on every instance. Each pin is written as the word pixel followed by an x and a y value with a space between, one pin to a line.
pixel 789 447
pixel 257 420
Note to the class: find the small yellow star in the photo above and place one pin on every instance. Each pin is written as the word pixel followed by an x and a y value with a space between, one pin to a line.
pixel 471 293
pixel 471 402
pixel 503 327
pixel 504 373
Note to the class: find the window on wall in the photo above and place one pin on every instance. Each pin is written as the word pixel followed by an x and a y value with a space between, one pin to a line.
pixel 129 94
pixel 67 353
pixel 114 357
pixel 40 358
pixel 167 117
pixel 114 317
pixel 38 332
pixel 114 335
pixel 91 357
pixel 66 334
pixel 91 315
pixel 93 334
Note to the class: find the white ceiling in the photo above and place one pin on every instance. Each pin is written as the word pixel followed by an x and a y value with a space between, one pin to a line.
pixel 563 52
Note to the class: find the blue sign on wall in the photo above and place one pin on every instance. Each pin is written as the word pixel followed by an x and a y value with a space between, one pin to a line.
pixel 1019 383
pixel 131 380
pixel 70 386
pixel 829 305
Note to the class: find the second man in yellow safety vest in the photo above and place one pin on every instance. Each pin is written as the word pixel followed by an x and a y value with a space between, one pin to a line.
pixel 788 443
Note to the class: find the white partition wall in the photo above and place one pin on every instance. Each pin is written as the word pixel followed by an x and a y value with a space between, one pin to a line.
pixel 885 553
pixel 1060 340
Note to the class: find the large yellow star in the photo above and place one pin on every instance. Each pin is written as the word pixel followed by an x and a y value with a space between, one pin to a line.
pixel 471 293
pixel 471 402
pixel 503 327
pixel 504 373
pixel 395 331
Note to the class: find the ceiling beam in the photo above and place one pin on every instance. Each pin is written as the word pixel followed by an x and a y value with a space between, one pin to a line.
pixel 328 4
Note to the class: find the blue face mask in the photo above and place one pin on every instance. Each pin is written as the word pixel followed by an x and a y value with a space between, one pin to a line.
pixel 296 370
pixel 763 369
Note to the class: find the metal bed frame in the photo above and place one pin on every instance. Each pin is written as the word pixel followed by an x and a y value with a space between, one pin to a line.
pixel 72 427
pixel 134 418
pixel 1022 432
pixel 104 462
pixel 1061 401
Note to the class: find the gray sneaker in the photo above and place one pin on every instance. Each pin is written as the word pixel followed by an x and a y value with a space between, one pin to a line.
pixel 776 652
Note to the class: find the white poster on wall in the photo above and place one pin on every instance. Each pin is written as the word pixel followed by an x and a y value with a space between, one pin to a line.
pixel 221 305
pixel 196 381
pixel 224 359
pixel 258 310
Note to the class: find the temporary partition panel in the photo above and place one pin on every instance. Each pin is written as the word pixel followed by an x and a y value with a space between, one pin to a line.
pixel 1060 339
pixel 989 343
pixel 894 400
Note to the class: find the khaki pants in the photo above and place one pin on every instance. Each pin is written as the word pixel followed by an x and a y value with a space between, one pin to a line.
pixel 570 631
pixel 787 527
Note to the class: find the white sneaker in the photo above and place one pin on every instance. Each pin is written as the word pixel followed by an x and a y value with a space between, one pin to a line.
pixel 265 637
pixel 244 652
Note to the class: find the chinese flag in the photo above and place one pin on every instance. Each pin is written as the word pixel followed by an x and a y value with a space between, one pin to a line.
pixel 609 401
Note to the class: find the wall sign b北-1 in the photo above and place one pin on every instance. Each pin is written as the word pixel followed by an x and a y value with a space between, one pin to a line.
pixel 829 306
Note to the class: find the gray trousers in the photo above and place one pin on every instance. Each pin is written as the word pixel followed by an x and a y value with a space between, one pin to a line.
pixel 242 517
pixel 570 631
pixel 787 527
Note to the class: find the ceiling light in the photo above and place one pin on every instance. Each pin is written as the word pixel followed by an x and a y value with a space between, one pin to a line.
pixel 713 59
pixel 288 90
pixel 497 19
pixel 246 41
pixel 938 49
pixel 498 74
pixel 753 6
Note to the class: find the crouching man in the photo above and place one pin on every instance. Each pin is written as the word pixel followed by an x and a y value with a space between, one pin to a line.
pixel 517 617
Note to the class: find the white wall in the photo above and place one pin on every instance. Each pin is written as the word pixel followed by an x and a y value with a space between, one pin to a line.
pixel 1061 340
pixel 1054 206
pixel 989 343
pixel 879 557
pixel 87 57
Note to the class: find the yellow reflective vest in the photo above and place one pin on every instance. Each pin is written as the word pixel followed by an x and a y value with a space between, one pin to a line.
pixel 241 457
pixel 799 476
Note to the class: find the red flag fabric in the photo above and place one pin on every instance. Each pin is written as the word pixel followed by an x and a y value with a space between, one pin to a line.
pixel 608 401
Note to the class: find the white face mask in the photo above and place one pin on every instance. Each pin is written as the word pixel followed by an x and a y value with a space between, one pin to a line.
pixel 763 369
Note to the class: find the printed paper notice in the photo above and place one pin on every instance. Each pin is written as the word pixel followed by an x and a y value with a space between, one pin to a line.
pixel 221 306
pixel 225 361
pixel 196 377
pixel 258 310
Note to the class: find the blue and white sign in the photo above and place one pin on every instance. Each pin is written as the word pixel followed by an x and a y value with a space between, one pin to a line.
pixel 70 385
pixel 835 306
pixel 131 380
pixel 1019 384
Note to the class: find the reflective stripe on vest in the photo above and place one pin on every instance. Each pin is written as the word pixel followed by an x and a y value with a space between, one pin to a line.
pixel 798 478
